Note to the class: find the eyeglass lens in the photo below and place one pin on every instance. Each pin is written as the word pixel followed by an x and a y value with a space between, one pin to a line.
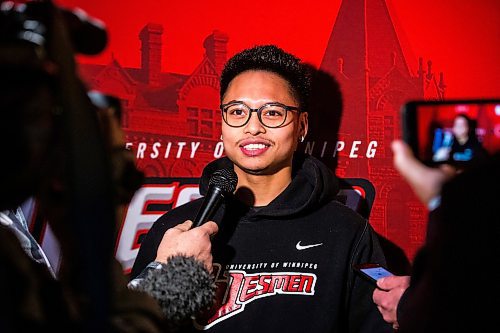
pixel 269 115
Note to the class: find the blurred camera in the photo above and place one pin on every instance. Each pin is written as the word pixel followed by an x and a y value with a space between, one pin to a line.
pixel 31 23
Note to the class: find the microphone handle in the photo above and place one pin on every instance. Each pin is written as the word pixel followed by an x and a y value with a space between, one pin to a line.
pixel 212 201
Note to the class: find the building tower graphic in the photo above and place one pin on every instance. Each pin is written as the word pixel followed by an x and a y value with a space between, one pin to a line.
pixel 365 55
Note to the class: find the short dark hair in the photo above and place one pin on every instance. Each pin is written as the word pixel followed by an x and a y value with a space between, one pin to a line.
pixel 272 59
pixel 471 124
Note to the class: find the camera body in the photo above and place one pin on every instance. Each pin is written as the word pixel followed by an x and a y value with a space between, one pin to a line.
pixel 34 68
pixel 31 22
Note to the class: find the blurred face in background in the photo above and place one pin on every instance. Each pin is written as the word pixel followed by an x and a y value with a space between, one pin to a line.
pixel 461 129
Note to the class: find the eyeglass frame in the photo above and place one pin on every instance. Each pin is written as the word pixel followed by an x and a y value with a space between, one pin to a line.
pixel 259 112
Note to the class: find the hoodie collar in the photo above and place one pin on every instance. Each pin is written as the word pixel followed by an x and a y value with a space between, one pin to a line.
pixel 312 185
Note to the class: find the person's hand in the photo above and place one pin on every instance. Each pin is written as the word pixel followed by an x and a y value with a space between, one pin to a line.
pixel 181 240
pixel 387 295
pixel 425 181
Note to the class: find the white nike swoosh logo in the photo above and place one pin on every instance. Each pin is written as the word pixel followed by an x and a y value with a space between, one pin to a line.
pixel 303 247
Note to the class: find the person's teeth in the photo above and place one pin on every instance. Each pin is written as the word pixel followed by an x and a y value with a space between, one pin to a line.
pixel 254 146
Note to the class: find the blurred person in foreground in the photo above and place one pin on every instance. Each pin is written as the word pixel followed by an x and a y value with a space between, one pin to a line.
pixel 454 283
pixel 46 121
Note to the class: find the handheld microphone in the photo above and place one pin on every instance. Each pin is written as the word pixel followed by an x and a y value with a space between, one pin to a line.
pixel 221 183
pixel 182 287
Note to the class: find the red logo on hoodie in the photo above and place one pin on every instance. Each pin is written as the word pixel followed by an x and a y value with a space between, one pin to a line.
pixel 235 289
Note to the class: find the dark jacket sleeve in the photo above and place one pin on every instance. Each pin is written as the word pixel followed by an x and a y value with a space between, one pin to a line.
pixel 364 315
pixel 134 311
pixel 32 300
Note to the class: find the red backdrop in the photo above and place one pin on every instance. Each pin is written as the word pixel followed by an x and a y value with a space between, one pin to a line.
pixel 163 61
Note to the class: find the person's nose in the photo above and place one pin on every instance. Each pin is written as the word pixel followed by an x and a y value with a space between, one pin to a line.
pixel 254 126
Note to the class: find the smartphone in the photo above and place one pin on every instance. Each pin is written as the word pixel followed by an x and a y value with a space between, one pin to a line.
pixel 372 271
pixel 457 132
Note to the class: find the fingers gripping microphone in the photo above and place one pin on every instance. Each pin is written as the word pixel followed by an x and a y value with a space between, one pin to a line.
pixel 221 183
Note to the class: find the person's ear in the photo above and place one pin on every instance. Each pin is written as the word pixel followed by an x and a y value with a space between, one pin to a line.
pixel 303 125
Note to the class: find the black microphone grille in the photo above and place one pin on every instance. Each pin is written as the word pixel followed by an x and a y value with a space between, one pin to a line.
pixel 226 179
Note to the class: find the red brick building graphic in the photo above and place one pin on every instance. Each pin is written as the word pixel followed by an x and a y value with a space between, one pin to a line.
pixel 172 120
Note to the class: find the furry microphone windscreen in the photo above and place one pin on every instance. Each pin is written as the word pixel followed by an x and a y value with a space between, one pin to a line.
pixel 183 287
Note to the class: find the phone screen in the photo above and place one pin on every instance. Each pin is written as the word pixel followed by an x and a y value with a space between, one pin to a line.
pixel 371 271
pixel 453 132
pixel 376 272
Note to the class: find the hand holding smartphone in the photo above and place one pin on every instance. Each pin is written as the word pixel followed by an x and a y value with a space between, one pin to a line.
pixel 455 132
pixel 372 272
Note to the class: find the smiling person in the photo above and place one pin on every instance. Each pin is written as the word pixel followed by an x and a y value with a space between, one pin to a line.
pixel 285 247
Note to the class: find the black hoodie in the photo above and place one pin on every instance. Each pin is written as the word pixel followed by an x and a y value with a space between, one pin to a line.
pixel 285 266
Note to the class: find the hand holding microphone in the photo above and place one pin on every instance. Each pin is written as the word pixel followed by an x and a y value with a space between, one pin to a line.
pixel 196 242
pixel 179 278
pixel 179 240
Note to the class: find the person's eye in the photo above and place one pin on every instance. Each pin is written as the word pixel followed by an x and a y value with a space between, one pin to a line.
pixel 273 113
pixel 237 111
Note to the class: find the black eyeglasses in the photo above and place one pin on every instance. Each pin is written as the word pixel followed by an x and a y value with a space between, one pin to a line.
pixel 272 115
